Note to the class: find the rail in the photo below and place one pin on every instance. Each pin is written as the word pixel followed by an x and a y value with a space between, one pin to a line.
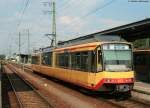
pixel 14 90
pixel 30 86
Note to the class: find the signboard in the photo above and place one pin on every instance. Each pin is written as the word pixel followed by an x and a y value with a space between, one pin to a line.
pixel 116 47
pixel 47 49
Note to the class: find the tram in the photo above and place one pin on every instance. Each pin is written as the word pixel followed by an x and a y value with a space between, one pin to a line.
pixel 97 63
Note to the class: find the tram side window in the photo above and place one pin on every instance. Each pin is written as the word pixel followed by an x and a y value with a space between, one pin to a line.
pixel 93 61
pixel 81 61
pixel 66 60
pixel 63 60
pixel 99 57
pixel 73 61
pixel 35 60
pixel 84 61
pixel 47 58
pixel 76 60
pixel 99 62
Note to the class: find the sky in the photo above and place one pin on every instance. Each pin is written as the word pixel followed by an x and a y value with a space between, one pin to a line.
pixel 74 18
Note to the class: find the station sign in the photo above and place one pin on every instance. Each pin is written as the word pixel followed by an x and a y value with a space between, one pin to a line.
pixel 116 47
pixel 47 49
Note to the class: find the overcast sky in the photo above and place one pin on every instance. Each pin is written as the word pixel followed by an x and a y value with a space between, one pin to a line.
pixel 74 18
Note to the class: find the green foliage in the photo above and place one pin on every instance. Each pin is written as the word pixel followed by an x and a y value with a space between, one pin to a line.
pixel 2 57
pixel 141 43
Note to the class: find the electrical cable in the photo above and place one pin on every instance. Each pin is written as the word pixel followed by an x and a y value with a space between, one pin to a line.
pixel 92 12
pixel 23 12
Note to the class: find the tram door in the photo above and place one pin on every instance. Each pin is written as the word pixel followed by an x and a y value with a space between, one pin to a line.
pixel 96 65
pixel 91 64
pixel 99 60
pixel 40 62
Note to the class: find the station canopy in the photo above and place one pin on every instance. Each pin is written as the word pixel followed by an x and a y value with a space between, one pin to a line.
pixel 132 31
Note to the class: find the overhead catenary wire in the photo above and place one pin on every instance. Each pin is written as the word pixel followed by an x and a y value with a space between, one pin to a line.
pixel 22 14
pixel 64 4
pixel 68 5
pixel 98 8
pixel 90 13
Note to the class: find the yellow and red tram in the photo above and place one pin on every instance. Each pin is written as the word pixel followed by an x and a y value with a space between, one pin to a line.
pixel 98 66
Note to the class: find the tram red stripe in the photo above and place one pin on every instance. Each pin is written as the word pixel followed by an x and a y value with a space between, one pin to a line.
pixel 115 81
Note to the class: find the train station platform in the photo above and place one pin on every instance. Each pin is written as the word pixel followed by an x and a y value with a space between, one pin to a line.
pixel 142 87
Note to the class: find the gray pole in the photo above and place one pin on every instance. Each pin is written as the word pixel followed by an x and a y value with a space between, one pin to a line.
pixel 10 50
pixel 53 12
pixel 19 42
pixel 54 22
pixel 19 46
pixel 28 44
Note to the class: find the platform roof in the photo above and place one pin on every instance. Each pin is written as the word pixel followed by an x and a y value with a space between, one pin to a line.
pixel 130 32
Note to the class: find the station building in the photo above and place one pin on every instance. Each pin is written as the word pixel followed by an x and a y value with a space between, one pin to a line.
pixel 22 58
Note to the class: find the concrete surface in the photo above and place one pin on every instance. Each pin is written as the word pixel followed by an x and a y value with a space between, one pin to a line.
pixel 142 87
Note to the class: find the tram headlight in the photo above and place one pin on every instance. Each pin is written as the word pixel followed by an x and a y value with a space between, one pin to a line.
pixel 108 80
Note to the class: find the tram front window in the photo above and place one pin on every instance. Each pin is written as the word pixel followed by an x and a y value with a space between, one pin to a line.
pixel 117 57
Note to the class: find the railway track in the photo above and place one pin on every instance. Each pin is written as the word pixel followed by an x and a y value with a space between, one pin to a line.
pixel 23 67
pixel 126 103
pixel 26 95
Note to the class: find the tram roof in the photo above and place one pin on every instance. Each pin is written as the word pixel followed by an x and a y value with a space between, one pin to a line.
pixel 130 32
pixel 89 39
